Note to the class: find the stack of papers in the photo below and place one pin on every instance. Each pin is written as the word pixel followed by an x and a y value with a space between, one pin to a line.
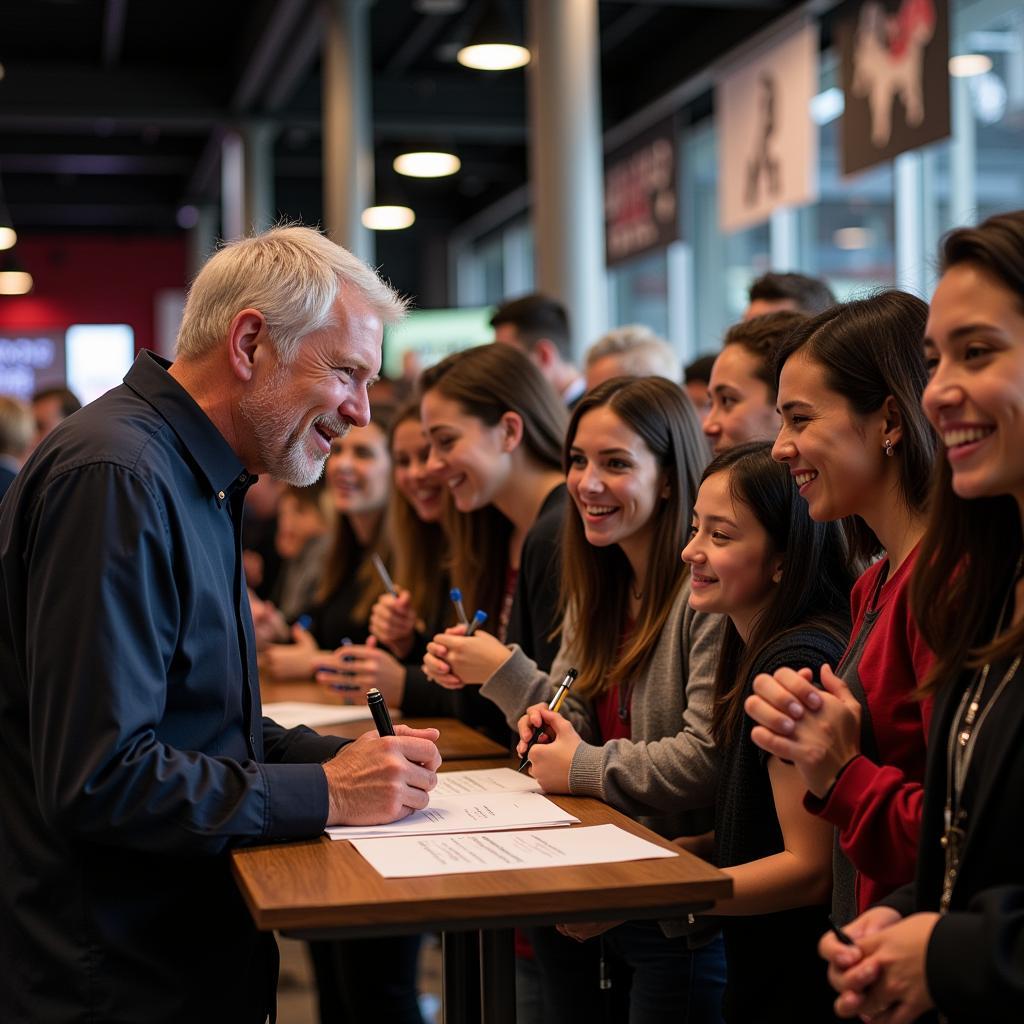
pixel 290 713
pixel 466 812
pixel 416 857
pixel 485 780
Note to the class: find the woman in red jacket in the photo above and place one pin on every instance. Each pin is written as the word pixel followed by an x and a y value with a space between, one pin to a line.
pixel 857 443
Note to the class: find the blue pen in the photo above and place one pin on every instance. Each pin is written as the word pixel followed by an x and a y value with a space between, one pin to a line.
pixel 479 618
pixel 456 596
pixel 346 641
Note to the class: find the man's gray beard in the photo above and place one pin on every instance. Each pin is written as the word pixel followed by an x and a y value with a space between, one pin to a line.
pixel 285 458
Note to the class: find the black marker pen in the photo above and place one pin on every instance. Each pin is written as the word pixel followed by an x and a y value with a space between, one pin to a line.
pixel 379 710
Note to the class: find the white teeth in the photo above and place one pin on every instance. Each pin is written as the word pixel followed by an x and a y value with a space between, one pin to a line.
pixel 599 510
pixel 952 438
pixel 805 477
pixel 704 579
pixel 455 481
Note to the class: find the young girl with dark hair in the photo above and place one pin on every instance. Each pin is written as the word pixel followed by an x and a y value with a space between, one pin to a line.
pixel 495 428
pixel 390 660
pixel 634 732
pixel 951 942
pixel 784 581
pixel 857 444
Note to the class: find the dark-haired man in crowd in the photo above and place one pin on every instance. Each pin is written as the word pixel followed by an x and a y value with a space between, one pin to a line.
pixel 772 293
pixel 50 406
pixel 539 326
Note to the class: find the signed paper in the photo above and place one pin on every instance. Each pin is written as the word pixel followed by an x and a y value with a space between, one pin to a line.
pixel 485 780
pixel 417 856
pixel 461 812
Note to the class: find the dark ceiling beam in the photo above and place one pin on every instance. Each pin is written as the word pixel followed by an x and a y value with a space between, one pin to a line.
pixel 415 43
pixel 29 216
pixel 623 26
pixel 96 163
pixel 266 54
pixel 750 5
pixel 297 62
pixel 440 128
pixel 114 13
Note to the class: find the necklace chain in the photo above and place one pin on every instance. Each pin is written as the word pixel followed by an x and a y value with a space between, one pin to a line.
pixel 963 737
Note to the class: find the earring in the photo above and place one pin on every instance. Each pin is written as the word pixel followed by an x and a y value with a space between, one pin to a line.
pixel 889 450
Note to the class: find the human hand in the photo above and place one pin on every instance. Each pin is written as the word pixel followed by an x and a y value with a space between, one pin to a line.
pixel 393 621
pixel 466 659
pixel 886 980
pixel 702 846
pixel 268 622
pixel 583 930
pixel 551 756
pixel 359 667
pixel 819 741
pixel 378 779
pixel 291 661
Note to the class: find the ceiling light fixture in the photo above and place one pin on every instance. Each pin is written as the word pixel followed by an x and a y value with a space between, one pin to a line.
pixel 427 165
pixel 967 65
pixel 8 238
pixel 15 282
pixel 494 45
pixel 388 218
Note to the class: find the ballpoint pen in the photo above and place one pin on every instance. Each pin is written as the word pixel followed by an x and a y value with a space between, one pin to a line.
pixel 379 710
pixel 456 595
pixel 479 618
pixel 554 705
pixel 385 576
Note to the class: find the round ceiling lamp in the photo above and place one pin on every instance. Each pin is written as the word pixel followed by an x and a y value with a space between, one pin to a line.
pixel 8 237
pixel 388 218
pixel 427 165
pixel 15 282
pixel 494 44
pixel 967 65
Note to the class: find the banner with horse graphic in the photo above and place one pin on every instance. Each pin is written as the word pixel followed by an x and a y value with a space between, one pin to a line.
pixel 894 57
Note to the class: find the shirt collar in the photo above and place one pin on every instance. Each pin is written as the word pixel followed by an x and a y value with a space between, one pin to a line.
pixel 213 456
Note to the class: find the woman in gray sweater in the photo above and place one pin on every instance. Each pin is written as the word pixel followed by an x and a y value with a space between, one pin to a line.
pixel 636 730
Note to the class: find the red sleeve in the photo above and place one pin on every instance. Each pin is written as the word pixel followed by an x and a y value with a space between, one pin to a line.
pixel 877 808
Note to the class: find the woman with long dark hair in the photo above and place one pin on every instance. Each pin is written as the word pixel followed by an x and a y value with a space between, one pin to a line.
pixel 635 730
pixel 858 446
pixel 952 940
pixel 783 580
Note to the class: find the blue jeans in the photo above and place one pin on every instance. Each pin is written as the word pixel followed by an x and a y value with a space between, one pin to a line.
pixel 655 979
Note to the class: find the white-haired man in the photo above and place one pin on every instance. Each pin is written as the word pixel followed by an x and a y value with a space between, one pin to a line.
pixel 133 755
pixel 631 351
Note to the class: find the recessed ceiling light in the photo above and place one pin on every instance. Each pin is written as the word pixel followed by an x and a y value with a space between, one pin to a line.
pixel 966 65
pixel 493 56
pixel 851 239
pixel 8 236
pixel 427 165
pixel 15 282
pixel 388 218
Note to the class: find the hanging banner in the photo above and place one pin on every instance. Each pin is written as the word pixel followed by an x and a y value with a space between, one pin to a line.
pixel 894 57
pixel 641 190
pixel 767 142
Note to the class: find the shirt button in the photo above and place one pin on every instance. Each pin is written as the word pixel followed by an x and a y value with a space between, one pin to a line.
pixel 252 740
pixel 242 479
pixel 220 494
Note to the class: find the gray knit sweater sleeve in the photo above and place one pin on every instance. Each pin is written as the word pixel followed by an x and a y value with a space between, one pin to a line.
pixel 668 764
pixel 518 683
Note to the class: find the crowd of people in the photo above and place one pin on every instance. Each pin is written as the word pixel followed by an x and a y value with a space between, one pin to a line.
pixel 789 578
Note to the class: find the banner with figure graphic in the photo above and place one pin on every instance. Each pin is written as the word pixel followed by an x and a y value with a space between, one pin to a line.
pixel 767 142
pixel 894 57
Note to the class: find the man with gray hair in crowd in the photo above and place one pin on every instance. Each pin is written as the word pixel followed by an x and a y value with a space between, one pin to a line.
pixel 16 432
pixel 631 351
pixel 133 753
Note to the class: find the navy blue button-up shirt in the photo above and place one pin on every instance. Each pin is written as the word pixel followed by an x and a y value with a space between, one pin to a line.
pixel 133 755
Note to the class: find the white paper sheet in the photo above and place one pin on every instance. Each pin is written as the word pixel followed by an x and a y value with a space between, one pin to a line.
pixel 472 812
pixel 485 780
pixel 290 713
pixel 416 856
